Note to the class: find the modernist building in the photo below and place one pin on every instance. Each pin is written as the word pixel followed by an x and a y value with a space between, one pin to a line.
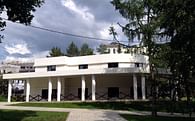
pixel 116 48
pixel 93 77
pixel 15 67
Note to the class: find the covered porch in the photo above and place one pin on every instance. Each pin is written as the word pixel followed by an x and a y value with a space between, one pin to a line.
pixel 85 87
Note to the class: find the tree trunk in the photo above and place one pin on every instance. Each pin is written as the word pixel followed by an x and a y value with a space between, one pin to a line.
pixel 154 93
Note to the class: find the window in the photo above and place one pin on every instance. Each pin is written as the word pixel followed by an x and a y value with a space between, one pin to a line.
pixel 22 67
pixel 138 64
pixel 112 65
pixel 84 66
pixel 44 93
pixel 113 92
pixel 51 68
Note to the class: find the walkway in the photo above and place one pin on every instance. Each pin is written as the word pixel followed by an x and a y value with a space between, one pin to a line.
pixel 88 114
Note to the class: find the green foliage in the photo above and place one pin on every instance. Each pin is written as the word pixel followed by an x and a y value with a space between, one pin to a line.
pixel 55 51
pixel 150 118
pixel 102 49
pixel 171 20
pixel 15 115
pixel 162 106
pixel 85 50
pixel 18 10
pixel 3 98
pixel 162 55
pixel 178 21
pixel 72 50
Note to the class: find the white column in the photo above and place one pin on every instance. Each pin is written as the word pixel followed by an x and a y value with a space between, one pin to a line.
pixel 135 86
pixel 27 90
pixel 83 88
pixel 93 87
pixel 58 89
pixel 49 90
pixel 9 91
pixel 143 87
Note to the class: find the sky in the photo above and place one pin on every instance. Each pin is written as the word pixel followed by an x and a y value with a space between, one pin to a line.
pixel 81 17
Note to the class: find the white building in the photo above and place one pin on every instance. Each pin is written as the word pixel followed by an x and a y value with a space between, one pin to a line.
pixel 94 77
pixel 8 68
pixel 116 48
pixel 16 67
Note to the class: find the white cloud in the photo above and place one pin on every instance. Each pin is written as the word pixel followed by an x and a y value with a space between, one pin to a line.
pixel 26 59
pixel 40 54
pixel 35 22
pixel 81 11
pixel 20 48
pixel 13 58
pixel 104 32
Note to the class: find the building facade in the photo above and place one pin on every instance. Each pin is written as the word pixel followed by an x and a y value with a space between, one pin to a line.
pixel 15 67
pixel 94 77
pixel 116 48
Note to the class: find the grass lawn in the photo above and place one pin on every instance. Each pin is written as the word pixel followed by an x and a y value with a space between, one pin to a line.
pixel 15 115
pixel 150 118
pixel 131 105
pixel 3 99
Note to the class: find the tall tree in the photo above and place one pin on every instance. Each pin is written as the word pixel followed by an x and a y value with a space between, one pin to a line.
pixel 85 50
pixel 72 50
pixel 142 25
pixel 55 51
pixel 18 10
pixel 178 21
pixel 102 49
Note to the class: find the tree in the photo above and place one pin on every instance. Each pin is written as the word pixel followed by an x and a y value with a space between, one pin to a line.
pixel 171 19
pixel 85 50
pixel 102 49
pixel 178 21
pixel 55 51
pixel 18 10
pixel 142 25
pixel 72 50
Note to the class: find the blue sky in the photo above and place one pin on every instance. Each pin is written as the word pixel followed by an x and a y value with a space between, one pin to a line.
pixel 82 17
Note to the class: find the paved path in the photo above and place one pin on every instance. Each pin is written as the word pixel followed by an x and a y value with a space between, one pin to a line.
pixel 88 114
pixel 74 114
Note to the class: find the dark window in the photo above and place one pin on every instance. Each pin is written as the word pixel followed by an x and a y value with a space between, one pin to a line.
pixel 113 92
pixel 44 93
pixel 84 66
pixel 22 67
pixel 112 65
pixel 54 93
pixel 51 68
pixel 138 64
pixel 80 93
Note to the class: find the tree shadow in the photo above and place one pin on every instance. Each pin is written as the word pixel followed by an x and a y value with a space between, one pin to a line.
pixel 13 115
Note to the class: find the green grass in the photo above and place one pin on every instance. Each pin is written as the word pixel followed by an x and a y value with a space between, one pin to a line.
pixel 14 115
pixel 3 99
pixel 163 106
pixel 150 118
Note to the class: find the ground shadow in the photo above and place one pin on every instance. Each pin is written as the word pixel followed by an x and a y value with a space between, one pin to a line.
pixel 13 115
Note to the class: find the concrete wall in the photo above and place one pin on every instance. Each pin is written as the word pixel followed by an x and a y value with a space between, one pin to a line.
pixel 41 83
